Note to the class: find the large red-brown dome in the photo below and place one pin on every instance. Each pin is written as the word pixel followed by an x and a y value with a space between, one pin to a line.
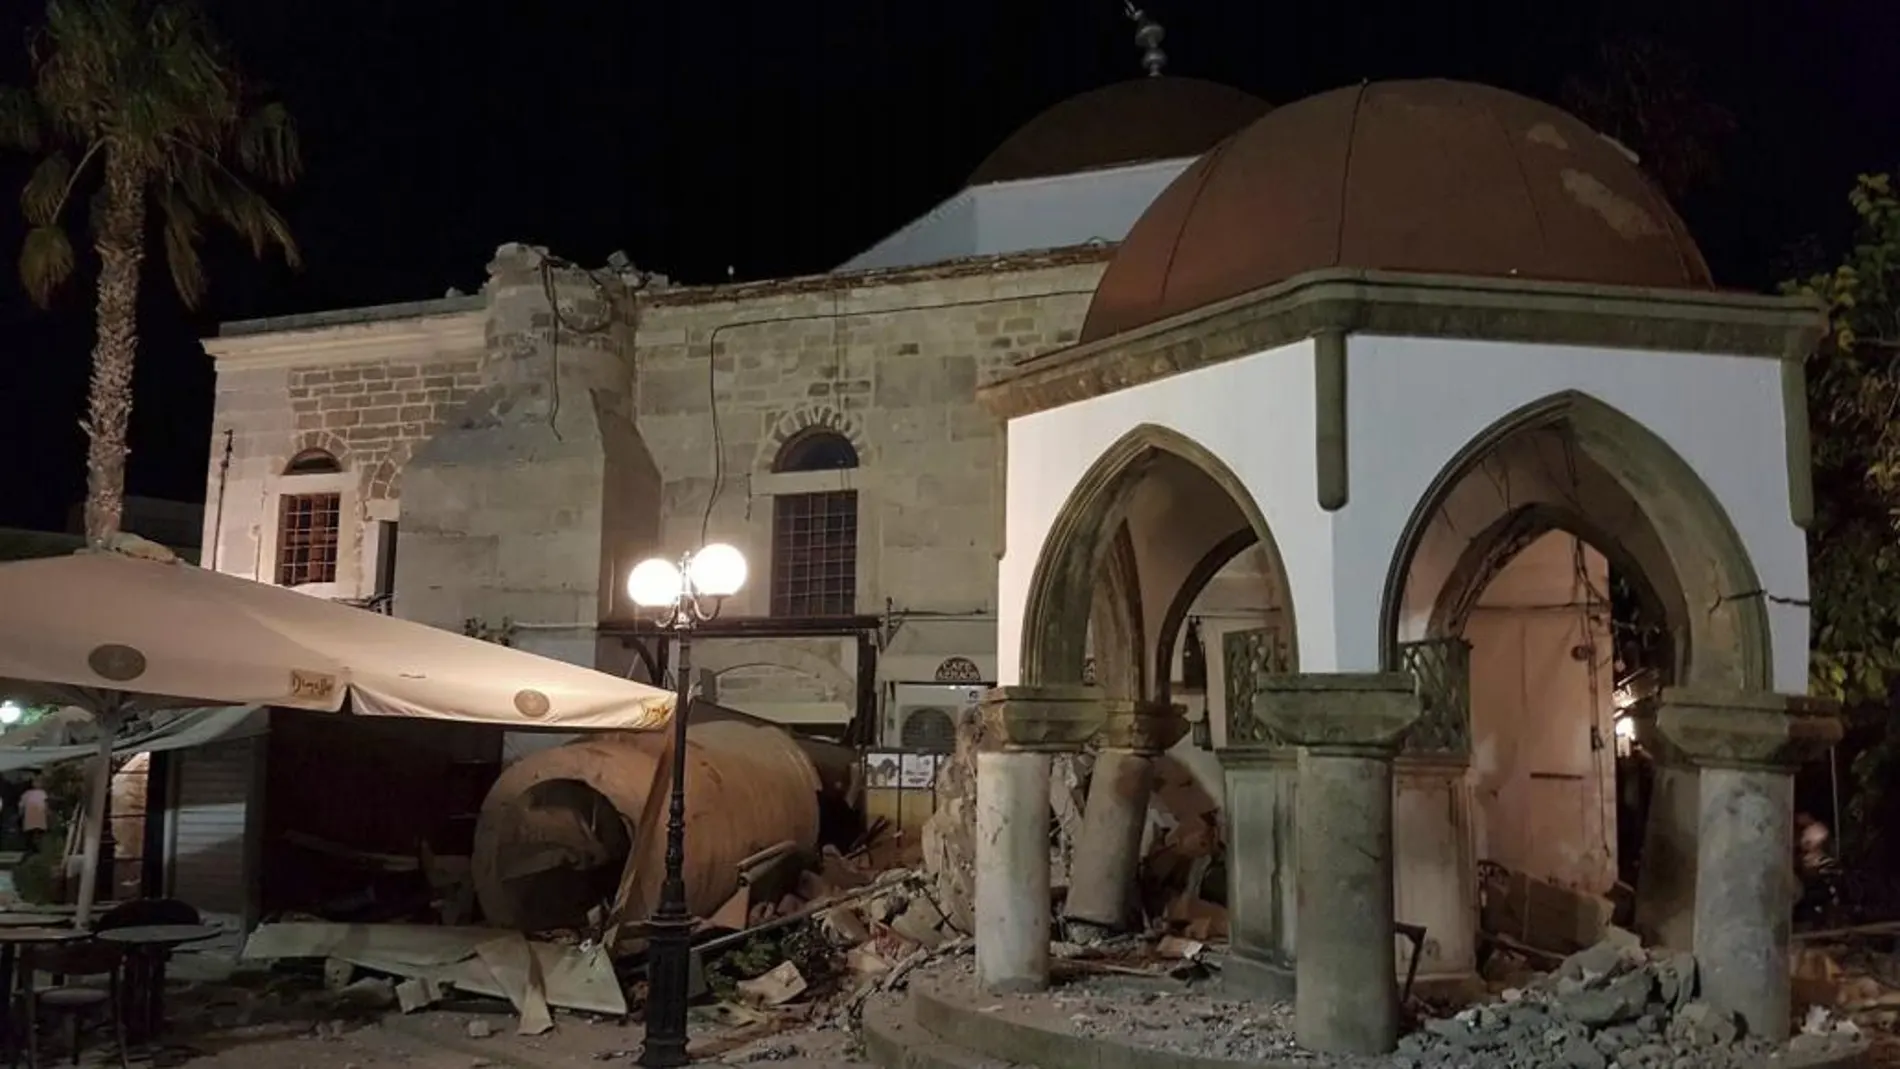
pixel 1128 122
pixel 1435 177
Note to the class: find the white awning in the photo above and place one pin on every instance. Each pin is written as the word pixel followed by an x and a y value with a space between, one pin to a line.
pixel 161 634
pixel 168 729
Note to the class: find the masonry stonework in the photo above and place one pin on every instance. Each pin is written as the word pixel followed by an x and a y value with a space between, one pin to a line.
pixel 706 384
pixel 372 415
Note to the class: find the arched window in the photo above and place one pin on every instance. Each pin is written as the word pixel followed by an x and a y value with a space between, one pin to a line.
pixel 310 523
pixel 313 462
pixel 815 534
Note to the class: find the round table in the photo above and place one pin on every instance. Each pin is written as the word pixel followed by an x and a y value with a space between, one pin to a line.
pixel 23 935
pixel 147 947
pixel 34 920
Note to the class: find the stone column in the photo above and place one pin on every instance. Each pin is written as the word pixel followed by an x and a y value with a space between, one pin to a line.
pixel 1102 884
pixel 1261 858
pixel 1349 728
pixel 1022 727
pixel 1665 884
pixel 1746 746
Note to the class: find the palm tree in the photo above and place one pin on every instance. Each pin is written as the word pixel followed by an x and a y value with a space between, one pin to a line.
pixel 1650 97
pixel 138 100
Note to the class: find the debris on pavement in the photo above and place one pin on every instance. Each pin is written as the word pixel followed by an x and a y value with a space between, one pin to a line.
pixel 532 975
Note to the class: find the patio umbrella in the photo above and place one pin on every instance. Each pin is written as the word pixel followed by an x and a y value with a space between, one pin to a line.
pixel 122 634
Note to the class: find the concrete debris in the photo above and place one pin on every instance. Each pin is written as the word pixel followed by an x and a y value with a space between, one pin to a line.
pixel 1068 793
pixel 949 838
pixel 1611 1004
pixel 1539 914
pixel 532 975
pixel 417 994
pixel 1848 980
pixel 777 987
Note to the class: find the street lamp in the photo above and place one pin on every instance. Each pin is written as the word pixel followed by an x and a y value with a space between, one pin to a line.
pixel 685 595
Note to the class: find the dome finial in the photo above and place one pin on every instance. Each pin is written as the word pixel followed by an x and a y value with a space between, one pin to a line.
pixel 1148 34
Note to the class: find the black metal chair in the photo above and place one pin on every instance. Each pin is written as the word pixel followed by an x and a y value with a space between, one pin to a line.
pixel 144 968
pixel 69 998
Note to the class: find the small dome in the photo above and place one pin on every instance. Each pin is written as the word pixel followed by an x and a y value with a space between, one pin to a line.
pixel 1128 122
pixel 1434 177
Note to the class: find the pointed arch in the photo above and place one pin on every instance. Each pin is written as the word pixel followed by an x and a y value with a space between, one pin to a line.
pixel 1691 556
pixel 1492 549
pixel 1062 587
pixel 1204 572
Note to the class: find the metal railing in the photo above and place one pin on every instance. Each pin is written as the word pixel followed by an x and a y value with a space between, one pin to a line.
pixel 1442 667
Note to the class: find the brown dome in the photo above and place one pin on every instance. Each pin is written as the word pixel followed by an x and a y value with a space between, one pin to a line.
pixel 1434 177
pixel 1128 122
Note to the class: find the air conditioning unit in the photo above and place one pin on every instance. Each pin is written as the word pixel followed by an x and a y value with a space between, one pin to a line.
pixel 922 717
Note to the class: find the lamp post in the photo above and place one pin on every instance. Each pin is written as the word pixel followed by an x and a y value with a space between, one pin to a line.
pixel 684 595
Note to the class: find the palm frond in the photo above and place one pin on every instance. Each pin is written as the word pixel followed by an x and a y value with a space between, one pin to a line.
pixel 214 191
pixel 150 80
pixel 267 145
pixel 45 191
pixel 182 231
pixel 46 262
pixel 19 120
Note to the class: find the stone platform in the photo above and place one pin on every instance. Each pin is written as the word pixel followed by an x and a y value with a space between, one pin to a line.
pixel 1128 1023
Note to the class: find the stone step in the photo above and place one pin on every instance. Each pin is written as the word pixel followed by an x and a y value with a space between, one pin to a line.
pixel 894 1040
pixel 935 1029
pixel 943 1026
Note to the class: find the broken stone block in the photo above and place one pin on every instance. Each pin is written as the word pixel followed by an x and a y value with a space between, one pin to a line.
pixel 1676 980
pixel 921 923
pixel 1700 1022
pixel 480 1029
pixel 417 993
pixel 337 974
pixel 369 993
pixel 1622 999
pixel 783 984
pixel 844 928
pixel 1592 963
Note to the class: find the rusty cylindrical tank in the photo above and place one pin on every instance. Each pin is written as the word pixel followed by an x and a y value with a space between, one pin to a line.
pixel 555 835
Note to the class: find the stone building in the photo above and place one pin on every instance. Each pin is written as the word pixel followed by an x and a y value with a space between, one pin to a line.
pixel 498 462
pixel 1358 403
pixel 1431 349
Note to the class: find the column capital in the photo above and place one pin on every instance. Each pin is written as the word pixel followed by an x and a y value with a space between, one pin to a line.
pixel 1339 711
pixel 1647 731
pixel 1742 729
pixel 1142 727
pixel 1049 718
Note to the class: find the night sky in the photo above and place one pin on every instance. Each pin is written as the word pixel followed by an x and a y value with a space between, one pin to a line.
pixel 780 138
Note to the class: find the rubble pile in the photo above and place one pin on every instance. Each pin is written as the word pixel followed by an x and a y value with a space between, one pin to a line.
pixel 1612 1005
pixel 1180 1017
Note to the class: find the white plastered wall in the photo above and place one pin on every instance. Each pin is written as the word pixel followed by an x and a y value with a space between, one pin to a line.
pixel 1255 414
pixel 1413 404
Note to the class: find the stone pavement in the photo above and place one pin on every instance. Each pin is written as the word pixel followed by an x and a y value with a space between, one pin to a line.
pixel 226 1016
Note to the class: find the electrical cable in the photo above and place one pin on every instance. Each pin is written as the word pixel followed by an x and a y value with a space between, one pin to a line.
pixel 712 373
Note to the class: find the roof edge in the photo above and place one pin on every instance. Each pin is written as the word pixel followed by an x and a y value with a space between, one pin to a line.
pixel 1432 306
pixel 342 338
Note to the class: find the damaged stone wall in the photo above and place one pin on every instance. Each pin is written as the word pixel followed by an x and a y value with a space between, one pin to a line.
pixel 537 457
pixel 537 495
pixel 367 385
pixel 891 362
pixel 949 838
